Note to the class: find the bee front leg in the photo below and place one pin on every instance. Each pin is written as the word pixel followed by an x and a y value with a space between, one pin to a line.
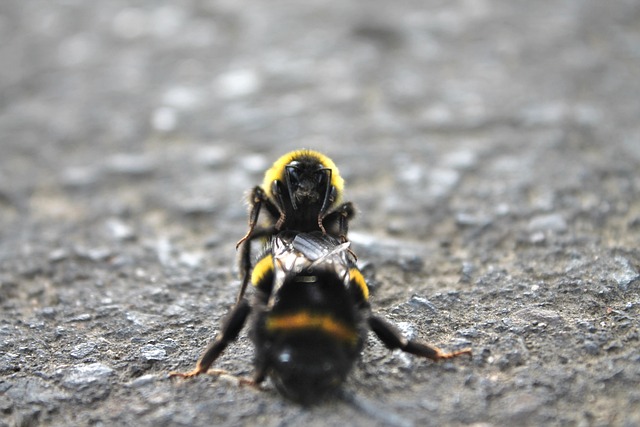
pixel 245 258
pixel 257 198
pixel 337 221
pixel 346 212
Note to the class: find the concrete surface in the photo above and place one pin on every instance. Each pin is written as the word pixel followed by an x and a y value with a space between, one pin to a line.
pixel 491 147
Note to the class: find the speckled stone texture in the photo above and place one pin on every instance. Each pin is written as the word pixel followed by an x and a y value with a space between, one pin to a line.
pixel 492 149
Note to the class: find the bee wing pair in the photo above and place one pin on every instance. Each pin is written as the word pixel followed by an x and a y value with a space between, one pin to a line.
pixel 306 251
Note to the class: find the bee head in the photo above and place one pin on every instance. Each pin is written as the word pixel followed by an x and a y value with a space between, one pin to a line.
pixel 307 182
pixel 307 177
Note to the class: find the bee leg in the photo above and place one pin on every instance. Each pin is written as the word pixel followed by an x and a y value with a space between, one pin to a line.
pixel 254 382
pixel 245 267
pixel 353 254
pixel 346 212
pixel 392 339
pixel 245 258
pixel 321 225
pixel 330 196
pixel 338 220
pixel 256 199
pixel 276 212
pixel 241 381
pixel 230 330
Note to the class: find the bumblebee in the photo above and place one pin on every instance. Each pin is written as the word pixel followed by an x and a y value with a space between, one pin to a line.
pixel 302 191
pixel 310 318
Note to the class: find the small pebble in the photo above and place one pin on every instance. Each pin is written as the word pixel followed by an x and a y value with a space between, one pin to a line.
pixel 83 350
pixel 591 348
pixel 422 302
pixel 143 381
pixel 153 352
pixel 84 375
pixel 625 274
pixel 84 317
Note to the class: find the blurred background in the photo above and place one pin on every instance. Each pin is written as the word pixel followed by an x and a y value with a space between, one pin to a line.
pixel 203 95
pixel 491 148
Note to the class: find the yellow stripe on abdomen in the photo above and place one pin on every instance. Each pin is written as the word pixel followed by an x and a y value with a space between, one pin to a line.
pixel 305 320
pixel 263 268
pixel 355 276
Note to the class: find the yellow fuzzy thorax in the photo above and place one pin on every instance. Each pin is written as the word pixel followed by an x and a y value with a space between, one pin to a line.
pixel 277 170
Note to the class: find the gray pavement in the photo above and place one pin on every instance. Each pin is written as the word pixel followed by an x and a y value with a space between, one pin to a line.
pixel 492 149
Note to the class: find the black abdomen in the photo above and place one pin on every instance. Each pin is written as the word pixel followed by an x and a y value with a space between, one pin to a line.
pixel 308 340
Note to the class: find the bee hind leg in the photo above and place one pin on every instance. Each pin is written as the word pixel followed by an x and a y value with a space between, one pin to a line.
pixel 392 339
pixel 230 330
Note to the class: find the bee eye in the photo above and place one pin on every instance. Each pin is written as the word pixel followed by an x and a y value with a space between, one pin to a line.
pixel 293 173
